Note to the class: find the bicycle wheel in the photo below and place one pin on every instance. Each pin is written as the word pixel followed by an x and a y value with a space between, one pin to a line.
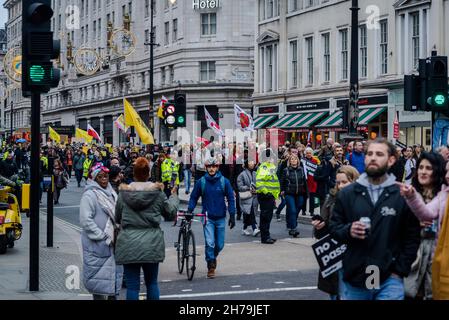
pixel 180 251
pixel 190 255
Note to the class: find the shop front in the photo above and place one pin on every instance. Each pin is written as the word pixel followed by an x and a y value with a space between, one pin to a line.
pixel 299 122
pixel 373 119
pixel 265 117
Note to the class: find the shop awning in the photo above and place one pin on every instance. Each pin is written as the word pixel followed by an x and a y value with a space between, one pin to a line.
pixel 365 117
pixel 263 121
pixel 298 120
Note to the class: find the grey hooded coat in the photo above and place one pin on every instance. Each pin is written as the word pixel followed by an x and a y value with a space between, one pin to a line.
pixel 101 274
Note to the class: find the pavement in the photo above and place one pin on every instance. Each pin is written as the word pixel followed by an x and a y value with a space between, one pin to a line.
pixel 247 269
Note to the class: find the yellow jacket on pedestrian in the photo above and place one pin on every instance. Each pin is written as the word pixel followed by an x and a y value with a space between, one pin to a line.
pixel 86 167
pixel 170 168
pixel 267 181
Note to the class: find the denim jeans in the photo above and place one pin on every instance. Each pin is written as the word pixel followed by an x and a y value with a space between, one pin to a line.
pixel 187 177
pixel 281 206
pixel 390 289
pixel 132 279
pixel 214 237
pixel 440 133
pixel 294 205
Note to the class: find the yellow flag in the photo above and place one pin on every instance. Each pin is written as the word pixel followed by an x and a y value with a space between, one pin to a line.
pixel 81 134
pixel 160 112
pixel 54 135
pixel 109 146
pixel 132 118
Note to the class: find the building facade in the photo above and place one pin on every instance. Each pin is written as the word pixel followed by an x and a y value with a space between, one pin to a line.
pixel 205 49
pixel 3 82
pixel 303 56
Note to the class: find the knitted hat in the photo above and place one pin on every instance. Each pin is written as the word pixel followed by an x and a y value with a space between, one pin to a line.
pixel 96 169
pixel 141 169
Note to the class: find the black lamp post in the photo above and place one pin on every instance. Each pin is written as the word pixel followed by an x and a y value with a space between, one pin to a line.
pixel 12 115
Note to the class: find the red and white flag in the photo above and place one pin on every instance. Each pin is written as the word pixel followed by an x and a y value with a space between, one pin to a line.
pixel 212 124
pixel 243 120
pixel 91 131
pixel 309 138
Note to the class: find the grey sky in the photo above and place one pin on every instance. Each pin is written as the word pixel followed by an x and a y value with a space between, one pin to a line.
pixel 3 15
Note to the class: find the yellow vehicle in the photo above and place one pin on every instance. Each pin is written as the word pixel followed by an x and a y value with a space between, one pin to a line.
pixel 10 219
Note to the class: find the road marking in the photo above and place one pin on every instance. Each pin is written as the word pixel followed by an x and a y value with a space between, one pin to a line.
pixel 68 224
pixel 68 207
pixel 165 280
pixel 250 273
pixel 236 286
pixel 187 290
pixel 279 282
pixel 222 293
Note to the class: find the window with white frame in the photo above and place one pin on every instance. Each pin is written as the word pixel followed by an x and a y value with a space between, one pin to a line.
pixel 294 5
pixel 268 9
pixel 207 70
pixel 167 33
pixel 147 39
pixel 293 64
pixel 147 8
pixel 163 76
pixel 326 57
pixel 415 39
pixel 344 54
pixel 309 60
pixel 268 65
pixel 175 30
pixel 208 24
pixel 363 52
pixel 383 45
pixel 172 73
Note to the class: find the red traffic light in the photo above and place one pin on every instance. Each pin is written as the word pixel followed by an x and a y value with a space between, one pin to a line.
pixel 39 13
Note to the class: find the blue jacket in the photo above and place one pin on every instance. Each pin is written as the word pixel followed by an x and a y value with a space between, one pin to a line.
pixel 357 160
pixel 214 198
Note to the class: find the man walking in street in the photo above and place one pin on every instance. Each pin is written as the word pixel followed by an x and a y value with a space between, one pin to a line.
pixel 268 189
pixel 379 254
pixel 357 158
pixel 213 188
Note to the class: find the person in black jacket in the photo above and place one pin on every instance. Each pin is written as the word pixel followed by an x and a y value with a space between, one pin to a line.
pixel 294 188
pixel 377 259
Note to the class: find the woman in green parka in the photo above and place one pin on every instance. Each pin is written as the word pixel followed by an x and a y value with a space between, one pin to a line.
pixel 140 242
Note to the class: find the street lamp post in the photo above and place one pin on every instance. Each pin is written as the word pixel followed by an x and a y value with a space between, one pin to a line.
pixel 151 62
pixel 12 115
pixel 352 113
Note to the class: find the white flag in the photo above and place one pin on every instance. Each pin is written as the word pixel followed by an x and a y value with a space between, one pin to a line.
pixel 212 124
pixel 243 120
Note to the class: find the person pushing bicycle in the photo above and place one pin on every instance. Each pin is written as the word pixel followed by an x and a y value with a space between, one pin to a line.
pixel 213 188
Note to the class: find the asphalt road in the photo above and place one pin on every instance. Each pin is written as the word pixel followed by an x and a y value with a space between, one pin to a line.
pixel 247 269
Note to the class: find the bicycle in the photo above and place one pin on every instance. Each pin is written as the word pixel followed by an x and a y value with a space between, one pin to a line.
pixel 185 247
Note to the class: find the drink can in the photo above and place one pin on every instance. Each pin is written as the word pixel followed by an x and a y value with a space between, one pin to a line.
pixel 367 222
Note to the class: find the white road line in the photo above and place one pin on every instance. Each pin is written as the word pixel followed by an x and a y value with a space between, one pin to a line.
pixel 223 293
pixel 165 280
pixel 68 207
pixel 187 290
pixel 279 282
pixel 250 273
pixel 68 224
pixel 236 286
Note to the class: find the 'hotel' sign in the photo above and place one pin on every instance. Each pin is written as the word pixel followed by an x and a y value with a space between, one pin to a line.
pixel 205 4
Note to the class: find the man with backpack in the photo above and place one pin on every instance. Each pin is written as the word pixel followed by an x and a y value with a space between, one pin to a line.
pixel 357 157
pixel 213 188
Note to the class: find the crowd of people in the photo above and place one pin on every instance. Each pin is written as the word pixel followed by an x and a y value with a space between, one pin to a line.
pixel 128 189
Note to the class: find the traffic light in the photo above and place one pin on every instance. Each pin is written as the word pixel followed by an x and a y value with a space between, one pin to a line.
pixel 181 109
pixel 411 93
pixel 437 86
pixel 38 48
pixel 169 114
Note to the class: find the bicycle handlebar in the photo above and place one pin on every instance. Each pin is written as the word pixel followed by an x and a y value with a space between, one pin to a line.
pixel 188 216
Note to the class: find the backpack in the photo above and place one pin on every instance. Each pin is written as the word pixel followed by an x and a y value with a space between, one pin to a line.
pixel 203 185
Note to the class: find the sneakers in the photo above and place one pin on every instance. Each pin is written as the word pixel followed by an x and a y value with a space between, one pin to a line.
pixel 256 232
pixel 278 217
pixel 246 232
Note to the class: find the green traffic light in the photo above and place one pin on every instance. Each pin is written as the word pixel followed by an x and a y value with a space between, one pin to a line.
pixel 37 73
pixel 181 119
pixel 439 99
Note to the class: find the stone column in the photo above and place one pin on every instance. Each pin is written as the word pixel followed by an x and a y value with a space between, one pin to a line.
pixel 115 132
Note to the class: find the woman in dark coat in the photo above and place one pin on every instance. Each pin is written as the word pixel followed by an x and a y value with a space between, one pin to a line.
pixel 345 176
